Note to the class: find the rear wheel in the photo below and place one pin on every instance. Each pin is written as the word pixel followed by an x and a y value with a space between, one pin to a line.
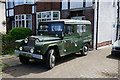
pixel 23 59
pixel 85 49
pixel 50 59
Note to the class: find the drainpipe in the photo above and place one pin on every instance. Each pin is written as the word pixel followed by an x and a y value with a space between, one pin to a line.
pixel 117 20
pixel 97 23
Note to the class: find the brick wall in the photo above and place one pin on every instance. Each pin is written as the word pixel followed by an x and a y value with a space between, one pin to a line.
pixel 47 6
pixel 104 43
pixel 23 9
pixel 9 23
pixel 34 24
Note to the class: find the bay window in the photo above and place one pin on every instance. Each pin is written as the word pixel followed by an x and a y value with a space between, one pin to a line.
pixel 48 15
pixel 23 20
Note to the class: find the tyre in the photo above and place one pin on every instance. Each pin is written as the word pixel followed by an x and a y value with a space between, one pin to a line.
pixel 50 59
pixel 85 49
pixel 23 59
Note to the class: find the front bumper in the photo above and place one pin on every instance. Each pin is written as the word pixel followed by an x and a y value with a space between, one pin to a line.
pixel 115 51
pixel 30 55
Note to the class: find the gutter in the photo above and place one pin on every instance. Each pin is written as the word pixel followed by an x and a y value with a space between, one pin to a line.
pixel 117 20
pixel 97 24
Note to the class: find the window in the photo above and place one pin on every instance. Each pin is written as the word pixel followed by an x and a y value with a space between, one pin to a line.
pixel 24 20
pixel 33 9
pixel 76 4
pixel 13 24
pixel 20 2
pixel 11 12
pixel 69 29
pixel 47 15
pixel 81 28
pixel 10 3
pixel 7 13
pixel 89 3
pixel 64 4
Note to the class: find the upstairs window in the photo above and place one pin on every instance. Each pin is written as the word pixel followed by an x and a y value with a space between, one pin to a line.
pixel 64 4
pixel 89 3
pixel 76 4
pixel 20 2
pixel 9 4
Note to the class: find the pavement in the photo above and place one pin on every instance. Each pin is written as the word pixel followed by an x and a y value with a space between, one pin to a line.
pixel 97 64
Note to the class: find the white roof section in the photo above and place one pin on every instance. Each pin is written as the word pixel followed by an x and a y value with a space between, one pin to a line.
pixel 72 21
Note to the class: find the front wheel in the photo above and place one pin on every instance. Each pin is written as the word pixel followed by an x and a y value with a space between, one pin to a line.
pixel 23 59
pixel 84 51
pixel 50 59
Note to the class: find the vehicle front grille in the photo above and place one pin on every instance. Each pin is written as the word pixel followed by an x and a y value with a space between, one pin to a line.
pixel 31 42
pixel 36 52
pixel 27 48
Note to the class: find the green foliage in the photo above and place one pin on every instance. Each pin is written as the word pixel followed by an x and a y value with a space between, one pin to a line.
pixel 20 33
pixel 8 40
pixel 8 44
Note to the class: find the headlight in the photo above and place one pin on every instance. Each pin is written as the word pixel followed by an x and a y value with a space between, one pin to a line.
pixel 31 50
pixel 20 48
pixel 36 41
pixel 39 51
pixel 26 40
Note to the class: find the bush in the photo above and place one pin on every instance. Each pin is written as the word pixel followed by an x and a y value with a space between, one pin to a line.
pixel 8 44
pixel 8 40
pixel 20 33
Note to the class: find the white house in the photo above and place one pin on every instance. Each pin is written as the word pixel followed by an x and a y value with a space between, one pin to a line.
pixel 2 17
pixel 105 21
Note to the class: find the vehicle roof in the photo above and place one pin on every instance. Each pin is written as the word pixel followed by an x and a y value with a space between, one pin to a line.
pixel 71 21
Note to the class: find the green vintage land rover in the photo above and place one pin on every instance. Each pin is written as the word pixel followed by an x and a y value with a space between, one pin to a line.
pixel 55 39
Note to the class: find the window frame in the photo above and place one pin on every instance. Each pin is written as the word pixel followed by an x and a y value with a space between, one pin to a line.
pixel 72 31
pixel 82 27
pixel 23 18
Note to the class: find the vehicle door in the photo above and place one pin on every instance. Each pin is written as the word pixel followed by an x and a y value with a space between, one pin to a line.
pixel 68 39
pixel 78 37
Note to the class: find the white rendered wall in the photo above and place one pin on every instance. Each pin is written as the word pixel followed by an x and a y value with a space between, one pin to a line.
pixel 95 23
pixel 2 18
pixel 107 21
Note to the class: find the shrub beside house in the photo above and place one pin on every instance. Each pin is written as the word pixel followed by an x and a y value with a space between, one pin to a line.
pixel 8 40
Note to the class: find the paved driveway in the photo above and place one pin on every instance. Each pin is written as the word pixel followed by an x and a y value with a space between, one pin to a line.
pixel 98 64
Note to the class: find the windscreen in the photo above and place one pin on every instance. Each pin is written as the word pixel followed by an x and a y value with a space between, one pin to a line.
pixel 51 29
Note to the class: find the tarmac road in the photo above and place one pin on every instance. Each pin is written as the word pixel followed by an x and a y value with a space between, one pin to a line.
pixel 97 64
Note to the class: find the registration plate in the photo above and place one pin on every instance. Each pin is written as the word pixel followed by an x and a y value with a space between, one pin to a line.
pixel 26 54
pixel 36 56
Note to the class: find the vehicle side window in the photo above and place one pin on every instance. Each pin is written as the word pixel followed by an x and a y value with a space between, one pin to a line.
pixel 69 29
pixel 81 28
pixel 43 28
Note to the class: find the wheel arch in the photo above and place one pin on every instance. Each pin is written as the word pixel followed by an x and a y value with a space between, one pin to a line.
pixel 56 48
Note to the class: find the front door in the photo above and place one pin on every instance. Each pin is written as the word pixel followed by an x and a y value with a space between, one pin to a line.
pixel 68 39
